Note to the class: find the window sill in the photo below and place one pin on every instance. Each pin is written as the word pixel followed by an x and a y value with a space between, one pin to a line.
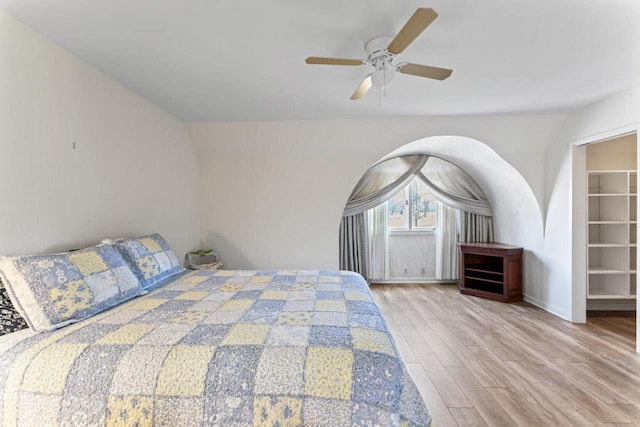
pixel 428 232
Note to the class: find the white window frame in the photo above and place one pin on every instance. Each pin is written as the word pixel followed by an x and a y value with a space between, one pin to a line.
pixel 409 228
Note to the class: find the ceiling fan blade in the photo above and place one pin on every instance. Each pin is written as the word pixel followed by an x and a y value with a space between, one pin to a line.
pixel 412 29
pixel 333 61
pixel 362 89
pixel 425 71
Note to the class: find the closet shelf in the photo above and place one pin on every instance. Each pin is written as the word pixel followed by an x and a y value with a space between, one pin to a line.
pixel 610 222
pixel 611 229
pixel 597 295
pixel 605 270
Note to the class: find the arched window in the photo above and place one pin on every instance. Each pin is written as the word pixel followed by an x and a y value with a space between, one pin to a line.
pixel 412 209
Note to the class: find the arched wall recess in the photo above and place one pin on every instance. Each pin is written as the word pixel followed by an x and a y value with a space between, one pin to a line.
pixel 517 215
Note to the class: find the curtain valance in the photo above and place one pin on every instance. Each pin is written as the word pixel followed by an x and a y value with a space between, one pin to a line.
pixel 382 181
pixel 447 182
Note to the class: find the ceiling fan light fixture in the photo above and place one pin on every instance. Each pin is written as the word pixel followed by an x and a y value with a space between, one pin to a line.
pixel 382 77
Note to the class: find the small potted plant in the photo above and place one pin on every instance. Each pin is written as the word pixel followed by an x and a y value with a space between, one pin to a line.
pixel 203 259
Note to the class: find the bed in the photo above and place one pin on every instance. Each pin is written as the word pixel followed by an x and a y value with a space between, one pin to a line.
pixel 217 347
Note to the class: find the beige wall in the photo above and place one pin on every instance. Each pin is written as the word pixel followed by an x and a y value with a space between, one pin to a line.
pixel 273 193
pixel 613 154
pixel 133 169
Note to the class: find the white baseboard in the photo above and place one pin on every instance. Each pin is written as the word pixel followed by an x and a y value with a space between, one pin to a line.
pixel 413 280
pixel 547 307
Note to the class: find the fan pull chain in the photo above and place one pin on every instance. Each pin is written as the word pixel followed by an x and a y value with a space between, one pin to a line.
pixel 384 88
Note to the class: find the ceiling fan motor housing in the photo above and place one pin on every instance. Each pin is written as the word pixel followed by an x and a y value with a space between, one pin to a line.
pixel 381 59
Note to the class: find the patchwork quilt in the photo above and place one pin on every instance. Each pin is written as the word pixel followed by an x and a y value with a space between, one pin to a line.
pixel 218 348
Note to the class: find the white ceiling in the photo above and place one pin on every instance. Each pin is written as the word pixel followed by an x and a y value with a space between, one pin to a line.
pixel 208 60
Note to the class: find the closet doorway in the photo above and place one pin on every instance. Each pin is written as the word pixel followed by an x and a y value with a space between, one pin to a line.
pixel 612 225
pixel 605 230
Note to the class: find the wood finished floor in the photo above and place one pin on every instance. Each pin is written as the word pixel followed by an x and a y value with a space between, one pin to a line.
pixel 479 362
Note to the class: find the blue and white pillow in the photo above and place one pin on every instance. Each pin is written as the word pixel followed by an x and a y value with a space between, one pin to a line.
pixel 53 290
pixel 150 258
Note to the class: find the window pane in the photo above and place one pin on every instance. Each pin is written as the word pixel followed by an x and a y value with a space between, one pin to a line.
pixel 397 211
pixel 423 206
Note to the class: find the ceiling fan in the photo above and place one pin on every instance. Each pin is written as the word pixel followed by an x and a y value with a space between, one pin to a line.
pixel 381 52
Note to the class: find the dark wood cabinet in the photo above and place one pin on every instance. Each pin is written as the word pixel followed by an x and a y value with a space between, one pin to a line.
pixel 490 270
